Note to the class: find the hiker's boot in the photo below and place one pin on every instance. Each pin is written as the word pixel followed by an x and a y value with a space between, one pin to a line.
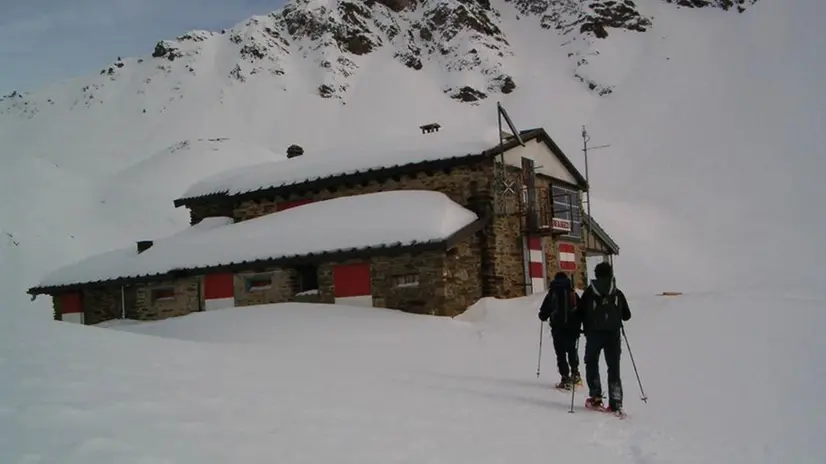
pixel 594 402
pixel 564 384
pixel 577 379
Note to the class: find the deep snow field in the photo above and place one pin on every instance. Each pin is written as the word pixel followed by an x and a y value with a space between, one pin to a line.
pixel 712 186
pixel 730 379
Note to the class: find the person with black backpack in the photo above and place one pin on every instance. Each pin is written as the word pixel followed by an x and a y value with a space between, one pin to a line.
pixel 604 309
pixel 560 306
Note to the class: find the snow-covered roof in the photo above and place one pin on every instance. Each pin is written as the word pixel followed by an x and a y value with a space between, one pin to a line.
pixel 375 153
pixel 384 219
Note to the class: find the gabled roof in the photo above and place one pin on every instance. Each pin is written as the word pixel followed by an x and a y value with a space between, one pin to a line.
pixel 436 150
pixel 542 135
pixel 600 233
pixel 383 222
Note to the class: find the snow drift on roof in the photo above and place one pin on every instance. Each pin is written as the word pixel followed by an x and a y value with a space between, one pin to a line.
pixel 371 154
pixel 360 221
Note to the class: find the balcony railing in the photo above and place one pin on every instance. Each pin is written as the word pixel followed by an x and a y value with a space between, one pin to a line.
pixel 543 218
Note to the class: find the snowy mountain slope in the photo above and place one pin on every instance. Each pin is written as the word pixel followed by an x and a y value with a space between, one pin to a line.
pixel 697 124
pixel 311 383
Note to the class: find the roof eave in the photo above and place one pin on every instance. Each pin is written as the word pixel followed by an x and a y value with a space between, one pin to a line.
pixel 601 234
pixel 316 258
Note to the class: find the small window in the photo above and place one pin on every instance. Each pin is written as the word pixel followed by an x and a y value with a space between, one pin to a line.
pixel 163 294
pixel 406 280
pixel 307 278
pixel 259 282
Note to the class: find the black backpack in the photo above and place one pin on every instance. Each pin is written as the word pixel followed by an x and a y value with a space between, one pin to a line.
pixel 562 305
pixel 605 312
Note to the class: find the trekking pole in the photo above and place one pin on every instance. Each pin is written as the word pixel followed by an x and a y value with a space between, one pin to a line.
pixel 644 398
pixel 539 362
pixel 573 384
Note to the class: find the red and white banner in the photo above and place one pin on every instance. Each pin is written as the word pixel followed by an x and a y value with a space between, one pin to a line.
pixel 567 257
pixel 535 264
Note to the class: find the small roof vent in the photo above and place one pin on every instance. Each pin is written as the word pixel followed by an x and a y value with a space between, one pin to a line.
pixel 144 245
pixel 428 128
pixel 294 151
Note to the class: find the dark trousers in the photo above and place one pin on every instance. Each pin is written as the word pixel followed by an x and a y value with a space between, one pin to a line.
pixel 567 357
pixel 595 343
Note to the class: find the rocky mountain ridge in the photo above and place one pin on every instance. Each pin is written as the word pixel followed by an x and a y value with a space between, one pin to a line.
pixel 462 37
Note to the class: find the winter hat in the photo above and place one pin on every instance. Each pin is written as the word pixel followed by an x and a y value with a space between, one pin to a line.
pixel 603 270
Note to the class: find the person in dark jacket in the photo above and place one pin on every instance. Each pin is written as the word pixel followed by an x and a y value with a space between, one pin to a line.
pixel 559 306
pixel 604 309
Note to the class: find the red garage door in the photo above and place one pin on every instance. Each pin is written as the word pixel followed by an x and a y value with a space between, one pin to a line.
pixel 219 291
pixel 71 306
pixel 351 284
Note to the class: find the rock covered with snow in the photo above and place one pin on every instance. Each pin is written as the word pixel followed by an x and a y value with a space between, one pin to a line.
pixel 327 42
pixel 740 5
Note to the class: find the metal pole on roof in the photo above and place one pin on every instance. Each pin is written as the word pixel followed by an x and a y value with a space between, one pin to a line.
pixel 585 139
pixel 505 186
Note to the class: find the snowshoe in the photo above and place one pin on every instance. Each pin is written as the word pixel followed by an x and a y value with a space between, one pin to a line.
pixel 595 404
pixel 577 379
pixel 564 384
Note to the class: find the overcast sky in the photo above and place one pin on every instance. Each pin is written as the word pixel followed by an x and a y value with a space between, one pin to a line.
pixel 42 41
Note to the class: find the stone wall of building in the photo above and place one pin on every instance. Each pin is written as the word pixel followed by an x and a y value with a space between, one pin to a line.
pixel 186 298
pixel 506 244
pixel 411 283
pixel 508 256
pixel 507 241
pixel 101 304
pixel 462 276
pixel 217 208
pixel 456 184
pixel 57 308
pixel 280 289
pixel 422 283
pixel 326 288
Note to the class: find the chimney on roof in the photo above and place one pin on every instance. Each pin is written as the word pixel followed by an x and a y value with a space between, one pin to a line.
pixel 144 245
pixel 294 151
pixel 428 128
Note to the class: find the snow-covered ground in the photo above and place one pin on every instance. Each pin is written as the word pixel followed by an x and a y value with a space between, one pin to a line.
pixel 711 185
pixel 730 379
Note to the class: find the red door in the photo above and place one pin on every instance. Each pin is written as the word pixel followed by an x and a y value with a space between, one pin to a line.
pixel 351 284
pixel 71 306
pixel 219 291
pixel 281 206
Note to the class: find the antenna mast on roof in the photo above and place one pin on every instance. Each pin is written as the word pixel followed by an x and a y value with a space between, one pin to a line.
pixel 503 187
pixel 589 233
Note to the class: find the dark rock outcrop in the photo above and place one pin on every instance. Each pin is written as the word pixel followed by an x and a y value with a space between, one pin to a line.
pixel 466 94
pixel 726 5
